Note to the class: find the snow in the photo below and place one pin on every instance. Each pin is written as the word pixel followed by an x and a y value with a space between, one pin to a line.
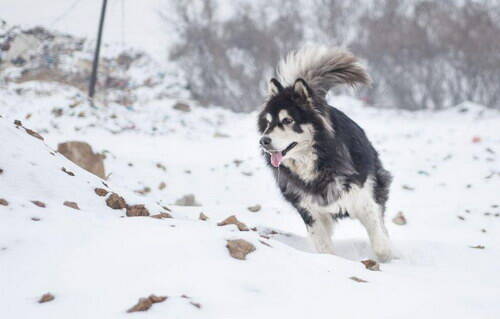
pixel 98 263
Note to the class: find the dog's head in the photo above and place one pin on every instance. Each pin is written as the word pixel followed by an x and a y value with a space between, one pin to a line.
pixel 287 122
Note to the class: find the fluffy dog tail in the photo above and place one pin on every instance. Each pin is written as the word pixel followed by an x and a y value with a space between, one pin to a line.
pixel 322 68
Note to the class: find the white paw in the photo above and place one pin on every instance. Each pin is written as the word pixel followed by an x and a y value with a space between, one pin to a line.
pixel 382 248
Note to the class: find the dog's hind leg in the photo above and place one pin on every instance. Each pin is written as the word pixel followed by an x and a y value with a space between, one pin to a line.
pixel 371 218
pixel 319 231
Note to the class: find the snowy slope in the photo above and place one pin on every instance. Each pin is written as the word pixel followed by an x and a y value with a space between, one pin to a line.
pixel 98 264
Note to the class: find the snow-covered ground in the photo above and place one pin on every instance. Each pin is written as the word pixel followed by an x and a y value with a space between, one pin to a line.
pixel 97 263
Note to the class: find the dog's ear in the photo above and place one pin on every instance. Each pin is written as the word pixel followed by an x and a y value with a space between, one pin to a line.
pixel 303 90
pixel 274 87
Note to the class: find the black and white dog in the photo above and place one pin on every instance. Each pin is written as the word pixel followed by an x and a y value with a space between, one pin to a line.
pixel 323 163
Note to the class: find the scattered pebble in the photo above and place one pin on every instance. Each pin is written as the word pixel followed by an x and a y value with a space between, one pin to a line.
pixel 461 217
pixel 400 219
pixel 264 243
pixel 196 304
pixel 71 205
pixel 144 191
pixel 187 200
pixel 162 186
pixel 115 201
pixel 357 279
pixel 181 106
pixel 254 208
pixel 145 303
pixel 232 220
pixel 33 133
pixel 203 217
pixel 101 192
pixel 38 203
pixel 46 298
pixel 476 139
pixel 4 202
pixel 371 265
pixel 477 247
pixel 35 219
pixel 70 173
pixel 162 215
pixel 137 210
pixel 239 248
pixel 408 188
pixel 161 166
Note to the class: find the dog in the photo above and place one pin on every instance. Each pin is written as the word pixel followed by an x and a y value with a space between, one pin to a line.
pixel 322 161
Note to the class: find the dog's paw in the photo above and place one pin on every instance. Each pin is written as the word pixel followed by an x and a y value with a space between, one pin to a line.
pixel 382 249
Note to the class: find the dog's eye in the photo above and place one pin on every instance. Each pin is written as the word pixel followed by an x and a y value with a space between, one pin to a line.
pixel 286 121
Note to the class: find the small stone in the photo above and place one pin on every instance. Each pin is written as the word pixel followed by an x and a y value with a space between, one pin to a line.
pixel 477 247
pixel 101 192
pixel 161 166
pixel 400 219
pixel 144 191
pixel 1 171
pixel 239 248
pixel 162 186
pixel 220 135
pixel 203 217
pixel 408 188
pixel 46 298
pixel 371 265
pixel 35 219
pixel 162 215
pixel 4 202
pixel 71 205
pixel 137 210
pixel 254 208
pixel 461 217
pixel 183 107
pixel 232 220
pixel 196 304
pixel 70 173
pixel 115 201
pixel 187 200
pixel 145 303
pixel 357 279
pixel 38 203
pixel 18 123
pixel 33 133
pixel 157 299
pixel 264 243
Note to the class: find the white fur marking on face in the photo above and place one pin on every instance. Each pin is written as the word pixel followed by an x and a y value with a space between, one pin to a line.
pixel 269 117
pixel 283 114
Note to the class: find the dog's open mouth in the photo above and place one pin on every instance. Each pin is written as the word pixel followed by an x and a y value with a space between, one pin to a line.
pixel 277 157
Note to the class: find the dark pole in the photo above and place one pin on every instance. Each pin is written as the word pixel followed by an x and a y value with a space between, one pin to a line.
pixel 95 64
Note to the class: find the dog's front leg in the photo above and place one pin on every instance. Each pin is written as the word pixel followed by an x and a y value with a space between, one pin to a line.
pixel 319 233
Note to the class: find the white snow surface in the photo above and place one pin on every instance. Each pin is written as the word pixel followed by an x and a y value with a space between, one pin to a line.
pixel 98 263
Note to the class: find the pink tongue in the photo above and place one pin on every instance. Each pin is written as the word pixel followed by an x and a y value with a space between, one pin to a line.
pixel 276 158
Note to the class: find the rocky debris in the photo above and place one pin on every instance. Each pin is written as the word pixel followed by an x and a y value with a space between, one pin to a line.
pixel 187 200
pixel 183 107
pixel 1 171
pixel 101 192
pixel 35 219
pixel 408 188
pixel 477 247
pixel 137 210
pixel 33 133
pixel 357 279
pixel 46 298
pixel 196 304
pixel 232 220
pixel 461 217
pixel 239 248
pixel 145 303
pixel 371 265
pixel 202 217
pixel 82 155
pixel 400 219
pixel 162 215
pixel 220 135
pixel 71 205
pixel 254 208
pixel 4 202
pixel 237 162
pixel 144 191
pixel 247 173
pixel 162 186
pixel 264 243
pixel 161 166
pixel 115 201
pixel 70 173
pixel 38 203
pixel 476 139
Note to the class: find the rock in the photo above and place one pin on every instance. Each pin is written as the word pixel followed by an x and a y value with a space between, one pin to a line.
pixel 161 166
pixel 162 186
pixel 35 219
pixel 183 107
pixel 408 188
pixel 400 219
pixel 476 139
pixel 239 248
pixel 39 203
pixel 4 202
pixel 145 303
pixel 33 133
pixel 115 201
pixel 371 265
pixel 71 204
pixel 144 191
pixel 82 155
pixel 220 135
pixel 232 220
pixel 46 298
pixel 1 171
pixel 477 247
pixel 70 173
pixel 203 217
pixel 254 208
pixel 357 279
pixel 196 304
pixel 187 200
pixel 137 210
pixel 101 192
pixel 162 215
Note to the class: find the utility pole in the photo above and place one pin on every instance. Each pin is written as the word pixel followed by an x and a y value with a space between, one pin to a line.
pixel 95 64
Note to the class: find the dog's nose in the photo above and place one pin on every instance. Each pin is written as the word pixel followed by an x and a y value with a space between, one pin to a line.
pixel 265 141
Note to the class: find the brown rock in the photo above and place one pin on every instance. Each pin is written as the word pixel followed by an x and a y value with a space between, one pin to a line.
pixel 143 191
pixel 145 303
pixel 39 203
pixel 33 133
pixel 400 219
pixel 187 200
pixel 82 155
pixel 162 215
pixel 101 192
pixel 371 265
pixel 115 201
pixel 357 279
pixel 196 304
pixel 46 298
pixel 137 210
pixel 161 166
pixel 232 220
pixel 1 171
pixel 4 202
pixel 477 247
pixel 183 107
pixel 254 208
pixel 203 217
pixel 239 248
pixel 162 186
pixel 71 205
pixel 70 173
